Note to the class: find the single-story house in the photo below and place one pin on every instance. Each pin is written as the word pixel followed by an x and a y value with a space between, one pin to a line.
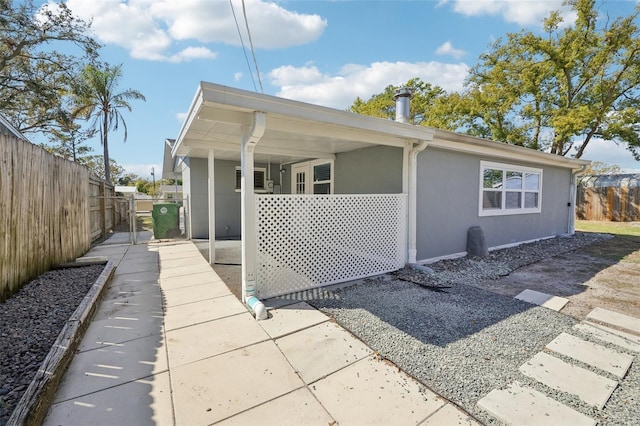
pixel 321 196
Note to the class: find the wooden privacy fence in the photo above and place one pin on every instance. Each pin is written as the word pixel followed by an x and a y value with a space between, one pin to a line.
pixel 609 197
pixel 45 216
pixel 105 209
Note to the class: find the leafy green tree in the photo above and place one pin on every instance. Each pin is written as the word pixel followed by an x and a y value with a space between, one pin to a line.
pixel 559 90
pixel 382 105
pixel 33 74
pixel 95 164
pixel 600 168
pixel 68 141
pixel 98 99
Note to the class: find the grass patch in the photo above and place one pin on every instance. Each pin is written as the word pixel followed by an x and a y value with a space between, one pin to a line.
pixel 624 247
pixel 615 228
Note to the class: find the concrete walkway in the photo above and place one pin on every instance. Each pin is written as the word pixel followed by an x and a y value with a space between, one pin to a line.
pixel 516 404
pixel 170 345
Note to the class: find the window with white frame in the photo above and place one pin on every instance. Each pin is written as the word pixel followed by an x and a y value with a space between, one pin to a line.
pixel 259 179
pixel 507 189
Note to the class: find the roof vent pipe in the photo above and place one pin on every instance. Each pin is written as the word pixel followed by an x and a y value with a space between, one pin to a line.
pixel 402 97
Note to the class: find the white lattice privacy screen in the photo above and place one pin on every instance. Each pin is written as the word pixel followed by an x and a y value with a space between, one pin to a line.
pixel 306 241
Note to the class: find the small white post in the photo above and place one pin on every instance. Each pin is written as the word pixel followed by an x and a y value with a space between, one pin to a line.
pixel 212 208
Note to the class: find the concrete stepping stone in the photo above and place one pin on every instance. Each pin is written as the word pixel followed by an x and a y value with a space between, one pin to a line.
pixel 522 405
pixel 610 335
pixel 593 354
pixel 542 299
pixel 616 319
pixel 588 386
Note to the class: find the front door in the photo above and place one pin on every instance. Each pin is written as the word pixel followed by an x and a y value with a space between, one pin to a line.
pixel 300 179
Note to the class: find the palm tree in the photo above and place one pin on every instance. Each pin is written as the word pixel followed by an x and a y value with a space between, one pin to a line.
pixel 96 98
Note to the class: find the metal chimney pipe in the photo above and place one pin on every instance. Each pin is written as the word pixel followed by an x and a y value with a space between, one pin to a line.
pixel 402 97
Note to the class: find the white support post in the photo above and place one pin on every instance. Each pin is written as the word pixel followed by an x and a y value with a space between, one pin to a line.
pixel 248 209
pixel 412 204
pixel 212 209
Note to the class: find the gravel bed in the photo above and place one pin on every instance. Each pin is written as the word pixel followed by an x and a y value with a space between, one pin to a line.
pixel 463 341
pixel 30 321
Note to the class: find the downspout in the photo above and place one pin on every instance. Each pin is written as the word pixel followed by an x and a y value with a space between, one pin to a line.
pixel 249 216
pixel 413 201
pixel 571 226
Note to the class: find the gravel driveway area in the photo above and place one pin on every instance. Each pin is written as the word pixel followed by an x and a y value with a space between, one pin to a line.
pixel 464 341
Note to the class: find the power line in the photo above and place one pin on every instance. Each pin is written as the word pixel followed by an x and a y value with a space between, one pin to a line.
pixel 242 43
pixel 253 53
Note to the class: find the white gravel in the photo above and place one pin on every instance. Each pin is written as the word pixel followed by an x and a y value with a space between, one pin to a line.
pixel 465 341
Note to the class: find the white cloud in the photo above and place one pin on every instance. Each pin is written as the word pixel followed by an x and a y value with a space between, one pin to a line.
pixel 308 84
pixel 144 170
pixel 611 153
pixel 447 49
pixel 237 76
pixel 181 116
pixel 517 11
pixel 149 29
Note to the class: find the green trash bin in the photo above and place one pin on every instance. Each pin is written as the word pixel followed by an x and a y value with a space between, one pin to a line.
pixel 164 218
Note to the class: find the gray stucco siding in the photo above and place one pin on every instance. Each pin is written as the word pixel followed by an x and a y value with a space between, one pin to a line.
pixel 375 170
pixel 227 199
pixel 448 197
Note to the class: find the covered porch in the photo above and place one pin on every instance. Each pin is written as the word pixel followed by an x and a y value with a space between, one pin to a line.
pixel 326 215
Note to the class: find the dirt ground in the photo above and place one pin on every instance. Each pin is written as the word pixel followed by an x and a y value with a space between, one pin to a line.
pixel 605 274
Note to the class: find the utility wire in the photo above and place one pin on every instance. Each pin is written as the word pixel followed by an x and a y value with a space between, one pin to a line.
pixel 244 50
pixel 253 53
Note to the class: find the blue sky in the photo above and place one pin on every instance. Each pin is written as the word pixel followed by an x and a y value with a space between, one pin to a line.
pixel 322 52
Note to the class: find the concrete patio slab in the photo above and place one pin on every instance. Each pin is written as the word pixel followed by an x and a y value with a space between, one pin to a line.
pixel 213 389
pixel 190 280
pixel 185 271
pixel 321 350
pixel 106 367
pixel 145 402
pixel 292 318
pixel 543 299
pixel 200 341
pixel 450 415
pixel 169 262
pixel 198 312
pixel 374 392
pixel 121 287
pixel 592 354
pixel 181 296
pixel 521 405
pixel 296 408
pixel 610 335
pixel 150 302
pixel 112 331
pixel 127 266
pixel 591 388
pixel 147 276
pixel 616 319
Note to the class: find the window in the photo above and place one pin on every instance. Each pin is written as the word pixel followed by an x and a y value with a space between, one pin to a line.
pixel 259 179
pixel 507 189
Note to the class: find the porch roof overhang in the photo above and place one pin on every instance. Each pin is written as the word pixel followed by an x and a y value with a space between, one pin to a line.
pixel 220 116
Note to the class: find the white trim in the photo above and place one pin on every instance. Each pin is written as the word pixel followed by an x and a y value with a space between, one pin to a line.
pixel 262 190
pixel 443 257
pixel 503 211
pixel 458 255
